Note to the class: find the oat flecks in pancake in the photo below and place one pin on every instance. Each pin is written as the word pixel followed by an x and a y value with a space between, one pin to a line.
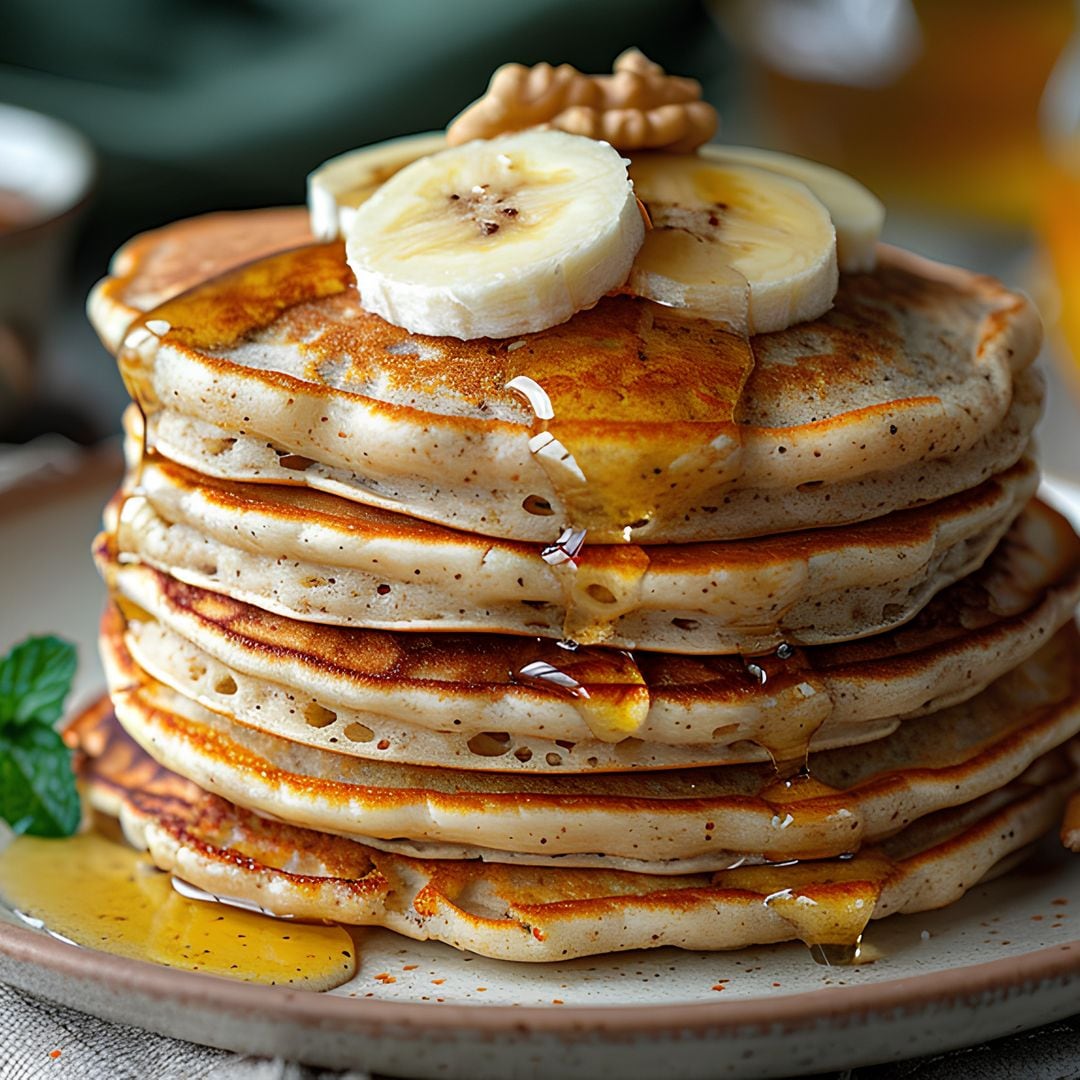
pixel 319 558
pixel 705 708
pixel 651 817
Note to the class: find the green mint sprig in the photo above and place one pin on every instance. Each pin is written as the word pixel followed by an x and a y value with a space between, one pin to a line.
pixel 37 786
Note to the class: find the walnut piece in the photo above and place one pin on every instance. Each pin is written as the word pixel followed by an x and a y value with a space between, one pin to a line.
pixel 636 108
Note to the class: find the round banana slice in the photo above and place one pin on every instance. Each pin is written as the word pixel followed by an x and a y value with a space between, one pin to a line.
pixel 733 243
pixel 497 237
pixel 338 186
pixel 857 214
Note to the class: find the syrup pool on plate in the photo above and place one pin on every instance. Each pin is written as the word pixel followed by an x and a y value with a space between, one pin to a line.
pixel 94 890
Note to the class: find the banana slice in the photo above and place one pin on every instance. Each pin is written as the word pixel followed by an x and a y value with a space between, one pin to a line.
pixel 857 214
pixel 732 243
pixel 497 237
pixel 338 186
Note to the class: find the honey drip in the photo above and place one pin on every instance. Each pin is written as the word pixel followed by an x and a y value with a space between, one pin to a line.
pixel 801 705
pixel 624 443
pixel 827 911
pixel 837 955
pixel 96 891
pixel 599 593
pixel 798 787
pixel 631 441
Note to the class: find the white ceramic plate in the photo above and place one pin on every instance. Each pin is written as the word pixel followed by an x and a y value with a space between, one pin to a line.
pixel 1006 958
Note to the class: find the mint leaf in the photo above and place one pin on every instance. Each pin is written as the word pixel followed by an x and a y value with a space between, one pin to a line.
pixel 37 787
pixel 35 677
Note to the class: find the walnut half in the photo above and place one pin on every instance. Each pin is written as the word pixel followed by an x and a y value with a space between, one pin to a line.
pixel 638 107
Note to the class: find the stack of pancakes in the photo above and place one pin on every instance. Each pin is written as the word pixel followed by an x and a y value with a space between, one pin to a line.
pixel 625 633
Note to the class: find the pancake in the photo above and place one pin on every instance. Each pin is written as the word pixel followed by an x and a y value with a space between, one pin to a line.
pixel 665 429
pixel 157 265
pixel 653 819
pixel 388 695
pixel 323 559
pixel 537 915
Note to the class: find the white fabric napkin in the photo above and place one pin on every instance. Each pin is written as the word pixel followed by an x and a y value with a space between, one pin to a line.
pixel 39 1039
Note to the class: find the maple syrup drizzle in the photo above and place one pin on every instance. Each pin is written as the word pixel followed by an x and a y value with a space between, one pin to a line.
pixel 594 597
pixel 591 602
pixel 136 348
pixel 95 891
pixel 844 955
pixel 595 593
pixel 685 444
pixel 611 496
pixel 828 918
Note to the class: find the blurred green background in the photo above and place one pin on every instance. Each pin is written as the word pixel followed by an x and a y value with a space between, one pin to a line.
pixel 959 113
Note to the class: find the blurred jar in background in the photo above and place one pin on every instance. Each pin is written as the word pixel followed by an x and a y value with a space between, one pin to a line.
pixel 932 103
pixel 46 173
pixel 1060 217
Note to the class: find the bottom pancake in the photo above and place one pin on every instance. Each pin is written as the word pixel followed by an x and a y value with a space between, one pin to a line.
pixel 529 914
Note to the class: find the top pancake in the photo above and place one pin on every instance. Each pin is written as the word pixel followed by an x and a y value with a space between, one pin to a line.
pixel 664 429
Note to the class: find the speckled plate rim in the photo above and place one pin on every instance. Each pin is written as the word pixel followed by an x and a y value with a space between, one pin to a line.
pixel 1058 964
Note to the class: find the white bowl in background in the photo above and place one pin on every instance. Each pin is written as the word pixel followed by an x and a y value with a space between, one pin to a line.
pixel 49 169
